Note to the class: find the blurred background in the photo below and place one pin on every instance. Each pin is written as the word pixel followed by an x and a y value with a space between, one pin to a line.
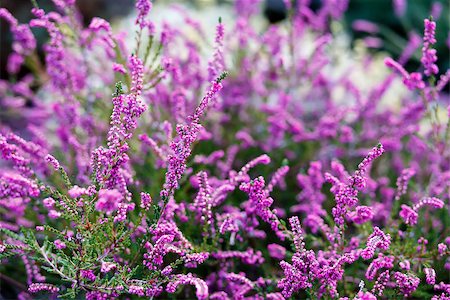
pixel 398 21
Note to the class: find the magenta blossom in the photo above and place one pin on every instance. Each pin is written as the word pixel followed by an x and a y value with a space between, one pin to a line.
pixel 108 200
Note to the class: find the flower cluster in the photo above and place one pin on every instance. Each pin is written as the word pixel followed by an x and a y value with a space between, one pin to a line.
pixel 234 161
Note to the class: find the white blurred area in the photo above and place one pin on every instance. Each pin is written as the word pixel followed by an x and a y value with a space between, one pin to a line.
pixel 364 68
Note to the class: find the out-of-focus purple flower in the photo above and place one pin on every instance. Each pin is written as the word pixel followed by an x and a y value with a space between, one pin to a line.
pixel 402 182
pixel 143 7
pixel 429 56
pixel 411 81
pixel 366 26
pixel 362 214
pixel 60 244
pixel 365 296
pixel 107 266
pixel 408 215
pixel 119 68
pixel 108 200
pixel 399 7
pixel 276 251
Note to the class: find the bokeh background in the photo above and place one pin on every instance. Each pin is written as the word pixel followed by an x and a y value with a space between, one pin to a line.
pixel 397 20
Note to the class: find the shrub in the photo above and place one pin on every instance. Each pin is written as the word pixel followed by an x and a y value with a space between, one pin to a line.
pixel 181 182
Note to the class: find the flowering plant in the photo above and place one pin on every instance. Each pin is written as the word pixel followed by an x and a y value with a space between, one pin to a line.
pixel 266 170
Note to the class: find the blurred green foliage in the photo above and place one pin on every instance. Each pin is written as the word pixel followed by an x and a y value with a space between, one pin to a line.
pixel 394 30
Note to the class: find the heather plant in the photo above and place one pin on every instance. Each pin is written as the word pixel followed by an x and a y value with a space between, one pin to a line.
pixel 258 163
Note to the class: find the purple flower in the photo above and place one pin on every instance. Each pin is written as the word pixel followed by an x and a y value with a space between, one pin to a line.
pixel 406 283
pixel 182 279
pixel 107 266
pixel 362 214
pixel 119 68
pixel 365 296
pixel 53 161
pixel 194 259
pixel 260 202
pixel 365 26
pixel 430 274
pixel 249 257
pixel 88 274
pixel 276 251
pixel 378 239
pixel 402 182
pixel 181 146
pixel 410 215
pixel 59 244
pixel 380 283
pixel 108 200
pixel 108 162
pixel 442 248
pixel 412 81
pixel 217 64
pixel 146 201
pixel 102 32
pixel 400 7
pixel 429 56
pixel 379 263
pixel 143 7
pixel 155 253
pixel 37 287
pixel 24 41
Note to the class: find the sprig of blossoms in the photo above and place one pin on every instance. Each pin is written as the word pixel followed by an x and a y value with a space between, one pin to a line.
pixel 181 146
pixel 410 214
pixel 429 56
pixel 378 239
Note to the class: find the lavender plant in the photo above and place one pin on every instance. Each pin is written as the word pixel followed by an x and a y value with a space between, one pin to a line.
pixel 267 168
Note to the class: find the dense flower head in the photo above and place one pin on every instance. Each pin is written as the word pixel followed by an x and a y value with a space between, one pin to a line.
pixel 382 261
pixel 362 214
pixel 143 7
pixel 429 56
pixel 430 274
pixel 108 200
pixel 378 239
pixel 406 283
pixel 409 215
pixel 365 296
pixel 381 282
